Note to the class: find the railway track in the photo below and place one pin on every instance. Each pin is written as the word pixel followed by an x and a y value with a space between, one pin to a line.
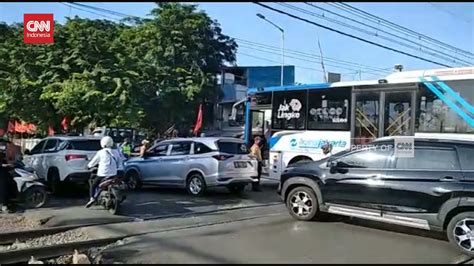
pixel 53 251
pixel 11 237
pixel 46 252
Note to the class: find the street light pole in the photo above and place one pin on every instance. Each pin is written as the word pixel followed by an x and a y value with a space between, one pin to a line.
pixel 282 54
pixel 282 43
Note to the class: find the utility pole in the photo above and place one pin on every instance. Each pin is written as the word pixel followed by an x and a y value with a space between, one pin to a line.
pixel 282 44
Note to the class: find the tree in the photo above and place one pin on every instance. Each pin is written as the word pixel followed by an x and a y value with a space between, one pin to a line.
pixel 181 51
pixel 148 75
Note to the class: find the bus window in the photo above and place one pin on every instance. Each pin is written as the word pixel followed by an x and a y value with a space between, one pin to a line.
pixel 434 116
pixel 289 110
pixel 329 109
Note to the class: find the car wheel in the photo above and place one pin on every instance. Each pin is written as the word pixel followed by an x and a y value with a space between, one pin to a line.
pixel 113 204
pixel 34 197
pixel 196 185
pixel 54 183
pixel 237 189
pixel 302 203
pixel 133 180
pixel 460 232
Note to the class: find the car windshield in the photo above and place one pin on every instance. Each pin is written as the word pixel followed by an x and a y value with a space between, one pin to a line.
pixel 232 147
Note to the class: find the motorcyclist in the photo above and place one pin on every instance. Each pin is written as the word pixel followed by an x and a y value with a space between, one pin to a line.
pixel 108 161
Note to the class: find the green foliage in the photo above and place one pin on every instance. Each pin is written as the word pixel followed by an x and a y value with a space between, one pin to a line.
pixel 148 75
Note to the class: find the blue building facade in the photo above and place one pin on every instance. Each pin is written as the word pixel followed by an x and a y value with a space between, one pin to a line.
pixel 235 81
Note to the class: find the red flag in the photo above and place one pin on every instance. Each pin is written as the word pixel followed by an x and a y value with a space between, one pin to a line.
pixel 65 123
pixel 11 127
pixel 198 125
pixel 31 128
pixel 20 127
pixel 50 131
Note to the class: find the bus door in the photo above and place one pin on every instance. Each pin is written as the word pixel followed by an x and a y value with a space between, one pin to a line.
pixel 383 112
pixel 398 113
pixel 366 117
pixel 257 128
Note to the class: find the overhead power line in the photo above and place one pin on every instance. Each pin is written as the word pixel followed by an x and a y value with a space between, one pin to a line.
pixel 354 65
pixel 92 12
pixel 307 59
pixel 368 16
pixel 417 43
pixel 111 12
pixel 305 54
pixel 350 35
pixel 440 8
pixel 274 61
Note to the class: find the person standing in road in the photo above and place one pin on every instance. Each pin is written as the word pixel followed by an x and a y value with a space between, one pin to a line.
pixel 4 178
pixel 144 147
pixel 256 151
pixel 126 148
pixel 175 134
pixel 157 138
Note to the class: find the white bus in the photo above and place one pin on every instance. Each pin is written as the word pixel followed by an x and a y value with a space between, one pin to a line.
pixel 300 119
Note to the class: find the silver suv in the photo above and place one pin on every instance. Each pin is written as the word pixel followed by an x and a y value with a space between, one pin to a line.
pixel 195 164
pixel 62 158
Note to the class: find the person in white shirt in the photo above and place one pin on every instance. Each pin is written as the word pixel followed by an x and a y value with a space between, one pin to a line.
pixel 109 162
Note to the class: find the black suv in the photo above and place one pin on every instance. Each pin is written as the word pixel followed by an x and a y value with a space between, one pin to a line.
pixel 433 190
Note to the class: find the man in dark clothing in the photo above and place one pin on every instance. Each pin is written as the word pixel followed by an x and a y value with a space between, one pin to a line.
pixel 5 183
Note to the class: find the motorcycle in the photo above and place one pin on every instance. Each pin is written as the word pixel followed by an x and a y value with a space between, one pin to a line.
pixel 110 192
pixel 29 192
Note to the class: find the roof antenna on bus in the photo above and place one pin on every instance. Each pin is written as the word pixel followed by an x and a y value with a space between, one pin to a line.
pixel 398 68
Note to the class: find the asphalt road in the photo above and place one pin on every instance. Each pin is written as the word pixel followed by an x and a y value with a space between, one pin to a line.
pixel 149 203
pixel 280 239
pixel 271 239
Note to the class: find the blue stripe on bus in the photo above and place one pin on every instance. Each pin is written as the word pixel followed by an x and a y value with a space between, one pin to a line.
pixel 247 122
pixel 290 88
pixel 453 94
pixel 274 140
pixel 452 105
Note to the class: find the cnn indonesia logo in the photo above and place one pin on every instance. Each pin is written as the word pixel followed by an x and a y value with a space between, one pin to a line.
pixel 38 28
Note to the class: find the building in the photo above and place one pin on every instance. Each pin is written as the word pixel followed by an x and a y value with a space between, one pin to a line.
pixel 234 82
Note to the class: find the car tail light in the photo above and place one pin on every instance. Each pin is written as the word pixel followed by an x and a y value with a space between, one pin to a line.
pixel 222 157
pixel 75 157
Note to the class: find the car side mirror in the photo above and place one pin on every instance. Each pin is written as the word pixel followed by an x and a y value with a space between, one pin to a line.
pixel 336 167
pixel 27 152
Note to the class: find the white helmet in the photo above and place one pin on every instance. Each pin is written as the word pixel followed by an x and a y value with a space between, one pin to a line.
pixel 106 142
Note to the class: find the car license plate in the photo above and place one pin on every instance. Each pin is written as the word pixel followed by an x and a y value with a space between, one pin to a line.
pixel 240 164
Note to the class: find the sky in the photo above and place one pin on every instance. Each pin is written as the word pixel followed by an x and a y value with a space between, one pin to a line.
pixel 451 23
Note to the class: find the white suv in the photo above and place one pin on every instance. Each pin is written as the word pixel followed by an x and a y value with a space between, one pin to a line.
pixel 62 158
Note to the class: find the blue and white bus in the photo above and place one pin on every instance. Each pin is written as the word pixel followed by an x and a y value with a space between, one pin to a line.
pixel 298 120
